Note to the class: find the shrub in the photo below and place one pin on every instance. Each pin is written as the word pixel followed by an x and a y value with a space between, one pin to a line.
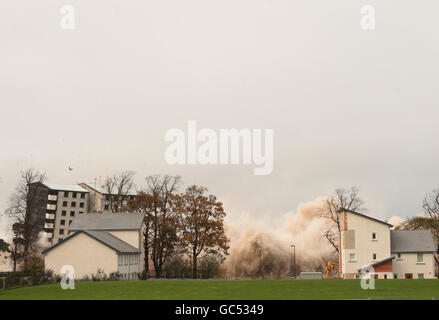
pixel 143 275
pixel 12 280
pixel 99 276
pixel 209 267
pixel 114 276
pixel 48 275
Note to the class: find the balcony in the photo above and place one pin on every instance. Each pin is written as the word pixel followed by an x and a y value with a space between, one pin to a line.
pixel 48 234
pixel 50 216
pixel 48 225
pixel 51 207
pixel 52 197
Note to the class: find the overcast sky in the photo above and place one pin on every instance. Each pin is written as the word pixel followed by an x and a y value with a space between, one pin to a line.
pixel 347 106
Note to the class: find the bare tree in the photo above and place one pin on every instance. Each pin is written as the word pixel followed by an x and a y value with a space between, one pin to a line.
pixel 23 209
pixel 431 208
pixel 118 187
pixel 163 235
pixel 431 204
pixel 342 199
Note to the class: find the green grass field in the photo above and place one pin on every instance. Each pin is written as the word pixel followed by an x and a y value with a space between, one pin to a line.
pixel 231 289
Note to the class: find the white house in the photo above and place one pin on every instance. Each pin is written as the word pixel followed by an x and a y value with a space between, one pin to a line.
pixel 111 242
pixel 366 241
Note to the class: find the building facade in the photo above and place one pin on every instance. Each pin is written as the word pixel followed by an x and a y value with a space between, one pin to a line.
pixel 109 242
pixel 58 204
pixel 100 200
pixel 369 245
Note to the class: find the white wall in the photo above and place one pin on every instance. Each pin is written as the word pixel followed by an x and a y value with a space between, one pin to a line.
pixel 364 245
pixel 84 253
pixel 408 264
pixel 129 236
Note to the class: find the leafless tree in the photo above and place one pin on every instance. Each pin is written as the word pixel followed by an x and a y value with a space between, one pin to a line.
pixel 163 230
pixel 118 187
pixel 23 210
pixel 347 199
pixel 431 204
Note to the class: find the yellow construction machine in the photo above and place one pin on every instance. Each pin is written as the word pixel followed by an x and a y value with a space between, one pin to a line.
pixel 330 267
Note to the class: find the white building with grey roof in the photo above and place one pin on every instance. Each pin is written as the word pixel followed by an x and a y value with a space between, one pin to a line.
pixel 111 242
pixel 369 242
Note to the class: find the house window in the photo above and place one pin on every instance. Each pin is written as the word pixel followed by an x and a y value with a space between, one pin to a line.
pixel 374 256
pixel 385 276
pixel 82 195
pixel 351 256
pixel 72 213
pixel 398 255
pixel 107 197
pixel 63 213
pixel 106 207
pixel 63 222
pixel 374 236
pixel 420 276
pixel 73 204
pixel 395 276
pixel 61 231
pixel 81 212
pixel 66 194
pixel 74 194
pixel 70 222
pixel 64 203
pixel 420 257
pixel 81 204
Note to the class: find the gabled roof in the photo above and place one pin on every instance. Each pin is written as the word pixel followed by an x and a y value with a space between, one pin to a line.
pixel 107 221
pixel 411 241
pixel 105 238
pixel 364 216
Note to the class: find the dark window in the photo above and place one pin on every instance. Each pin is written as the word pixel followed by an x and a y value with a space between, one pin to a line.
pixel 374 256
pixel 132 198
pixel 63 222
pixel 72 213
pixel 66 194
pixel 74 194
pixel 107 197
pixel 73 204
pixel 106 207
pixel 70 222
pixel 374 235
pixel 64 203
pixel 81 204
pixel 81 212
pixel 63 213
pixel 61 231
pixel 82 195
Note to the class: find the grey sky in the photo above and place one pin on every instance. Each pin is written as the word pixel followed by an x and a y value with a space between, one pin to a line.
pixel 348 107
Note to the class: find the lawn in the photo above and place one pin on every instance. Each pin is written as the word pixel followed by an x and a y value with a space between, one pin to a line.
pixel 231 289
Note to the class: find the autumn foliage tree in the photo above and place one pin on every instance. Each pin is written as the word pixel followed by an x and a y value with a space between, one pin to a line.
pixel 144 203
pixel 161 221
pixel 202 225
